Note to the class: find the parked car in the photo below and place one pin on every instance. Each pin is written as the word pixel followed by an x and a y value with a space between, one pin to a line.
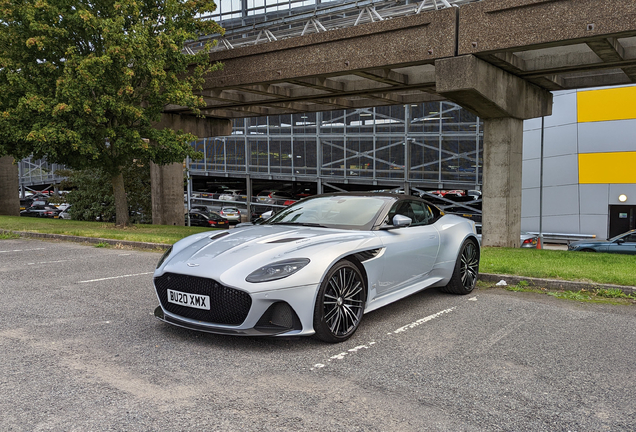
pixel 232 214
pixel 64 214
pixel 37 210
pixel 211 220
pixel 201 209
pixel 622 244
pixel 315 267
pixel 527 240
pixel 275 197
pixel 233 195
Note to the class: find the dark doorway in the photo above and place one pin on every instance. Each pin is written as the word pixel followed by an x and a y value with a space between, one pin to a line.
pixel 622 219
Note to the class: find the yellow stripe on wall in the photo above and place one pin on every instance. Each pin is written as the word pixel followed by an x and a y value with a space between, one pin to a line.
pixel 616 167
pixel 608 104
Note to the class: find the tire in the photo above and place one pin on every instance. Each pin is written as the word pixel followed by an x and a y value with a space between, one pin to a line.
pixel 588 250
pixel 340 303
pixel 466 270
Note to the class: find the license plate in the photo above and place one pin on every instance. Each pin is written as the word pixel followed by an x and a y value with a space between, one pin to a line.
pixel 56 217
pixel 190 300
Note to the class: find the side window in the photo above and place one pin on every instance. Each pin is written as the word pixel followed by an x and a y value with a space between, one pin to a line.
pixel 419 212
pixel 630 238
pixel 423 214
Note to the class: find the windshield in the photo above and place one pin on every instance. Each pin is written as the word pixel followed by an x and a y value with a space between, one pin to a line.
pixel 332 211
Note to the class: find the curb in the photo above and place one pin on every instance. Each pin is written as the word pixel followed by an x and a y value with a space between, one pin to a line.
pixel 553 283
pixel 92 240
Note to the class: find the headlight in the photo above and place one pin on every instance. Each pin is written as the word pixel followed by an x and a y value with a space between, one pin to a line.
pixel 164 256
pixel 278 270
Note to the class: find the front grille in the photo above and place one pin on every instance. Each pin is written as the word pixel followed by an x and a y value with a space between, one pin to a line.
pixel 227 305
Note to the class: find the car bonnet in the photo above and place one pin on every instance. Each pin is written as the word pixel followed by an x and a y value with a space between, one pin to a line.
pixel 243 250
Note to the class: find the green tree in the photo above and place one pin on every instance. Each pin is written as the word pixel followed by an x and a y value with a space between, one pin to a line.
pixel 91 196
pixel 81 82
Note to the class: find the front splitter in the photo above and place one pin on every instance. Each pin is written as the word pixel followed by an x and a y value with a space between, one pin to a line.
pixel 204 327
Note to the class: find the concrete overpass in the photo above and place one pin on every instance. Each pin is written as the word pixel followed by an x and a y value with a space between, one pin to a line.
pixel 498 58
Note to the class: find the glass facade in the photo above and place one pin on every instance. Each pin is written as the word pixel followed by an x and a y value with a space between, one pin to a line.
pixel 430 144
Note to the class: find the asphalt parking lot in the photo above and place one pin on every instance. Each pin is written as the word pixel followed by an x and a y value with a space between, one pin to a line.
pixel 81 351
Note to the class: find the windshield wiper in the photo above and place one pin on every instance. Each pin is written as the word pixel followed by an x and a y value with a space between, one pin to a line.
pixel 307 224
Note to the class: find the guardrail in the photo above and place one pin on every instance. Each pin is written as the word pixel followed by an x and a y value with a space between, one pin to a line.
pixel 563 238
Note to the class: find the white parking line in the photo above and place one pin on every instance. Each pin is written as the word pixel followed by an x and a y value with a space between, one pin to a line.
pixel 114 277
pixel 342 355
pixel 48 262
pixel 21 250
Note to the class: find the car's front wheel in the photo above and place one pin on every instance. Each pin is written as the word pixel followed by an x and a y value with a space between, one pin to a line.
pixel 466 270
pixel 340 303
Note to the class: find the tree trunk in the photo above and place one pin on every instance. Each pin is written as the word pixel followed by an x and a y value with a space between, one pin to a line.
pixel 9 185
pixel 121 201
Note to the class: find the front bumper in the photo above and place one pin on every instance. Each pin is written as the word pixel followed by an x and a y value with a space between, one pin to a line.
pixel 299 299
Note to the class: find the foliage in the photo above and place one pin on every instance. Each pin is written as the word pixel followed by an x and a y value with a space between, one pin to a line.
pixel 81 83
pixel 91 195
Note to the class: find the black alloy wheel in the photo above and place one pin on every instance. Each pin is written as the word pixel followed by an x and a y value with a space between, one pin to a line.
pixel 464 277
pixel 340 303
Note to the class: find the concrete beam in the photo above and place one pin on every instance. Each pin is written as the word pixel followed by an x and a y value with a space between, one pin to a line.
pixel 9 198
pixel 488 91
pixel 201 127
pixel 414 39
pixel 518 25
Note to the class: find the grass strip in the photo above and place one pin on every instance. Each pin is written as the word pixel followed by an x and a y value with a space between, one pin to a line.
pixel 142 233
pixel 603 268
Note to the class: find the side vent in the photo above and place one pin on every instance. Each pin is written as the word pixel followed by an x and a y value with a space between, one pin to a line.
pixel 368 254
pixel 218 236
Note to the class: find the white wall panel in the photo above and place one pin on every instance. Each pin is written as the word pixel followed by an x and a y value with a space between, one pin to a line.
pixel 561 171
pixel 594 199
pixel 560 140
pixel 609 136
pixel 530 174
pixel 561 200
pixel 594 224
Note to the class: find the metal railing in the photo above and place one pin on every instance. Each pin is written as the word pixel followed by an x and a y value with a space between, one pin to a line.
pixel 563 238
pixel 304 20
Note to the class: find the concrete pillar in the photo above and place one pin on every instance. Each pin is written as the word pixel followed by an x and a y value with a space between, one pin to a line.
pixel 503 100
pixel 167 180
pixel 167 194
pixel 9 187
pixel 503 157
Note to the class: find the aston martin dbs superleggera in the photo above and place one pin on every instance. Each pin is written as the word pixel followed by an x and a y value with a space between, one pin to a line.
pixel 316 266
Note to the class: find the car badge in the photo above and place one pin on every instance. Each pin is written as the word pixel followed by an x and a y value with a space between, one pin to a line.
pixel 193 265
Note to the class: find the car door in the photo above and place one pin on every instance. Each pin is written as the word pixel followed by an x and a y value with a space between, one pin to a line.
pixel 624 245
pixel 410 252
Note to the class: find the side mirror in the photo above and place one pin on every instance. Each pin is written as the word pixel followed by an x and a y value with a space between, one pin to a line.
pixel 267 215
pixel 620 241
pixel 399 221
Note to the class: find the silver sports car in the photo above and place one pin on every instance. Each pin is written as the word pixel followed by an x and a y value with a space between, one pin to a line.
pixel 316 266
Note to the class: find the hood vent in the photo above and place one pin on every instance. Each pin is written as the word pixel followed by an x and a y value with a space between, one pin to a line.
pixel 218 236
pixel 286 240
pixel 367 255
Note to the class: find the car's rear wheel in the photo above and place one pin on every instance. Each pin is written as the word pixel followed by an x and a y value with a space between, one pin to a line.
pixel 466 270
pixel 340 303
